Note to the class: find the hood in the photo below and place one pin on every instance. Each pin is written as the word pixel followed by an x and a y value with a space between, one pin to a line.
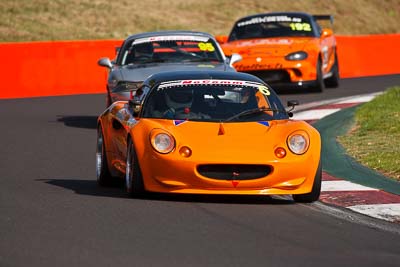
pixel 225 141
pixel 269 46
pixel 140 72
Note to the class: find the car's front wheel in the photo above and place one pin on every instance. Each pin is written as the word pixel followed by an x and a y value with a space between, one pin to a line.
pixel 133 175
pixel 333 81
pixel 316 189
pixel 102 172
pixel 319 82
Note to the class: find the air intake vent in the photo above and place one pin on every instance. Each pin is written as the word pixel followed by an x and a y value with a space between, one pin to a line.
pixel 234 171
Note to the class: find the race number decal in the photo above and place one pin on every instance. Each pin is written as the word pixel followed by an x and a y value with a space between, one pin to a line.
pixel 264 90
pixel 300 26
pixel 206 47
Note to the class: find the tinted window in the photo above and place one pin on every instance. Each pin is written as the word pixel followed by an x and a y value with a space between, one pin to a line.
pixel 206 100
pixel 171 49
pixel 270 26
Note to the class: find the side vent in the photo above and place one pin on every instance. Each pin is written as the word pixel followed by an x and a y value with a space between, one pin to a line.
pixel 116 125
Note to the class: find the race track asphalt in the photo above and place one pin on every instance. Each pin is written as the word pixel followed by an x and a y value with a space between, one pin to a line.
pixel 54 214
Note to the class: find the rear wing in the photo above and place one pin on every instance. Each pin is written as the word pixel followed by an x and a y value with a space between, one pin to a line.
pixel 324 17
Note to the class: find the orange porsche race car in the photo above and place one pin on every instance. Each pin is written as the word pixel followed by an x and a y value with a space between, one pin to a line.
pixel 208 132
pixel 285 49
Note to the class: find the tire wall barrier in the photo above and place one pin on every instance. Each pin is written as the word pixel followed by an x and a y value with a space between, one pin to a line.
pixel 70 67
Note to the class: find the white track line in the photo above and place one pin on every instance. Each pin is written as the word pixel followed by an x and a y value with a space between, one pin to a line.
pixel 358 99
pixel 341 185
pixel 315 114
pixel 388 212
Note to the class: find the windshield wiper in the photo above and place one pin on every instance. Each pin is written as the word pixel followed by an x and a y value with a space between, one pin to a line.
pixel 251 112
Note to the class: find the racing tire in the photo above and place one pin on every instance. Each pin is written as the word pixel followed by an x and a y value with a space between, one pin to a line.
pixel 319 82
pixel 316 189
pixel 333 81
pixel 103 175
pixel 133 175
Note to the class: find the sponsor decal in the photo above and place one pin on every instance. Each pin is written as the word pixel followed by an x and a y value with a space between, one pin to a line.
pixel 258 66
pixel 178 122
pixel 266 19
pixel 171 38
pixel 265 42
pixel 265 123
pixel 207 82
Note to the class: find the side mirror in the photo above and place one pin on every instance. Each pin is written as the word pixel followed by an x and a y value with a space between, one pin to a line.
pixel 221 39
pixel 292 104
pixel 235 58
pixel 135 102
pixel 105 62
pixel 326 32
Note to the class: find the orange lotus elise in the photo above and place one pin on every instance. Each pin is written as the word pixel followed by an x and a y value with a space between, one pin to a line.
pixel 208 132
pixel 286 49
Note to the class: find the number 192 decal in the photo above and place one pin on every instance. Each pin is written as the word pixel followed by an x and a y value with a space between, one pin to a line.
pixel 300 26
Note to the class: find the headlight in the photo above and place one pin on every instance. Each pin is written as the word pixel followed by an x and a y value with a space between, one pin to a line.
pixel 298 142
pixel 299 55
pixel 162 141
pixel 127 86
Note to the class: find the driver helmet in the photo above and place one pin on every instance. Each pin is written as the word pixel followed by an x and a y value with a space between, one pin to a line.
pixel 178 98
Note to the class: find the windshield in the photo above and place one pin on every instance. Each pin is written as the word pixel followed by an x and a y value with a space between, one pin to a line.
pixel 177 48
pixel 270 26
pixel 213 101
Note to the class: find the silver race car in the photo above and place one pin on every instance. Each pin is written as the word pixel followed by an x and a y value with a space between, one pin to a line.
pixel 142 55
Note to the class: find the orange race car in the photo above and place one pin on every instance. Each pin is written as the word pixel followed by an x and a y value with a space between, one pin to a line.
pixel 286 49
pixel 208 132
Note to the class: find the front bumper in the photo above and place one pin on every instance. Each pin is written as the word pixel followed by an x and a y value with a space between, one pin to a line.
pixel 169 174
pixel 280 71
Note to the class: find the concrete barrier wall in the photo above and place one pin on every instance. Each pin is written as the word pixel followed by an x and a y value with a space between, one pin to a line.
pixel 70 67
pixel 369 55
pixel 54 68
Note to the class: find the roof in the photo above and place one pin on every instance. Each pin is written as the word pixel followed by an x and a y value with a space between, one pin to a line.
pixel 168 33
pixel 195 75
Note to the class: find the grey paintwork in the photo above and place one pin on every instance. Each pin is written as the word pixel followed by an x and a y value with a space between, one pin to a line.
pixel 139 72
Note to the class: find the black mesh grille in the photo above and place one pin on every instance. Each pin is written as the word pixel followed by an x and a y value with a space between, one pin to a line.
pixel 234 171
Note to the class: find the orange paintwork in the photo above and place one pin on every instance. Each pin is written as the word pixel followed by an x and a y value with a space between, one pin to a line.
pixel 237 143
pixel 269 54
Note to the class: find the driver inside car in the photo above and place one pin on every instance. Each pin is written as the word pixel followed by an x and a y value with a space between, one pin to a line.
pixel 179 102
pixel 143 51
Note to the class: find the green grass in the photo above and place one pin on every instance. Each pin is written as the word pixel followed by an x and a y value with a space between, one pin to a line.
pixel 374 140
